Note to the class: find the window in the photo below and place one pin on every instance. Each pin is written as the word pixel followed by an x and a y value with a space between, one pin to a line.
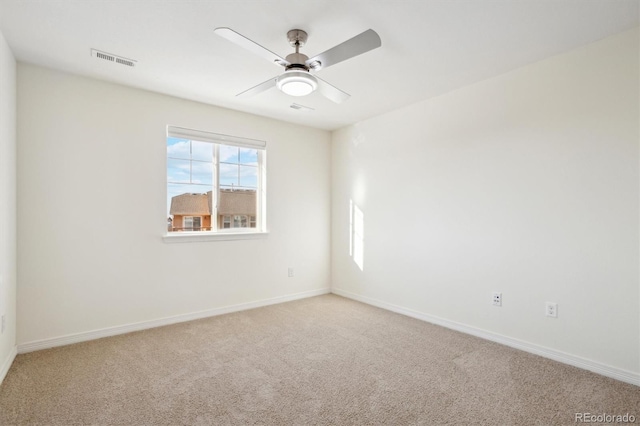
pixel 192 223
pixel 239 221
pixel 215 183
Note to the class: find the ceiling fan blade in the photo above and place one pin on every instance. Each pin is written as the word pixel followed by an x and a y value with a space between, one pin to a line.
pixel 355 46
pixel 259 88
pixel 250 45
pixel 331 92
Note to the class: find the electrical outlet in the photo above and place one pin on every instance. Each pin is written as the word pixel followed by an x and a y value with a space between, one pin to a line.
pixel 551 309
pixel 497 298
pixel 290 272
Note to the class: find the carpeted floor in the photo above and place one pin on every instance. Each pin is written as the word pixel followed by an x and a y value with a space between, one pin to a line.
pixel 318 361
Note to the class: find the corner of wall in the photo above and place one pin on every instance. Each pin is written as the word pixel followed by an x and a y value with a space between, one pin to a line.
pixel 4 367
pixel 8 214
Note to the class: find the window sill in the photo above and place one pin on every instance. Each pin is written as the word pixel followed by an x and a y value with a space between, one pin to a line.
pixel 195 237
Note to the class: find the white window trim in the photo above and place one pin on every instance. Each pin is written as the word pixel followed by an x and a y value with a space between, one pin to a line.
pixel 203 136
pixel 186 237
pixel 261 212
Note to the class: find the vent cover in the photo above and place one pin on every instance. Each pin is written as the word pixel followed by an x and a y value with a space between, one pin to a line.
pixel 301 107
pixel 113 58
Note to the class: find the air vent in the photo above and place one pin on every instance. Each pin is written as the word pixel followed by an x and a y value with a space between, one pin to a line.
pixel 301 107
pixel 113 58
pixel 125 62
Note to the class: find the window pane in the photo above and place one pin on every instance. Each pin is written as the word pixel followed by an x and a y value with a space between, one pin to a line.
pixel 249 156
pixel 229 175
pixel 202 172
pixel 178 148
pixel 202 151
pixel 229 154
pixel 174 190
pixel 248 176
pixel 178 170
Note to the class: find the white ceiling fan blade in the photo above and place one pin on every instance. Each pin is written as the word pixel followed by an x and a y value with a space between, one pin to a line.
pixel 355 46
pixel 250 45
pixel 331 92
pixel 259 88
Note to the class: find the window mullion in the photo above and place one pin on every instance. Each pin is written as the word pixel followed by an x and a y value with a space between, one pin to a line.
pixel 215 193
pixel 190 161
pixel 239 168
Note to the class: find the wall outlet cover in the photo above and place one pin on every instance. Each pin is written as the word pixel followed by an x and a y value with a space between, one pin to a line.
pixel 497 298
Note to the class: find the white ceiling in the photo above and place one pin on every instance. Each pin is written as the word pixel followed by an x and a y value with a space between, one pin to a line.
pixel 429 47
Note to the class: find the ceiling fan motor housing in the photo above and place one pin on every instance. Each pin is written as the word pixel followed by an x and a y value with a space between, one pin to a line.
pixel 297 38
pixel 297 60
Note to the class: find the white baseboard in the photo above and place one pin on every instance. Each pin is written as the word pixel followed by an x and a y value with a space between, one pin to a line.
pixel 6 365
pixel 128 328
pixel 576 361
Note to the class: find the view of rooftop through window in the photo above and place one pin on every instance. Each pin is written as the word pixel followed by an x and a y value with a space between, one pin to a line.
pixel 210 186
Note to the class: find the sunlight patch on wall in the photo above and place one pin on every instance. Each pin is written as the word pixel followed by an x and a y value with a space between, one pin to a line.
pixel 356 234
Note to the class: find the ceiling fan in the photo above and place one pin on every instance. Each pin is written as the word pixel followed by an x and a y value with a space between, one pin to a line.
pixel 297 79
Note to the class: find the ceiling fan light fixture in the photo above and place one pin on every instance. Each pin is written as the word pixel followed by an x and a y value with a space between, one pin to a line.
pixel 297 83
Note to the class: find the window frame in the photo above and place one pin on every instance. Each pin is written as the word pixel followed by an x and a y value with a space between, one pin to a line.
pixel 222 233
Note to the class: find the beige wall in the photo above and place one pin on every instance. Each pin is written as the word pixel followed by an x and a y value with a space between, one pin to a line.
pixel 527 184
pixel 90 148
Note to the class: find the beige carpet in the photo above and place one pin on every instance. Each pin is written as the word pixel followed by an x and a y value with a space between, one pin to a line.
pixel 323 360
